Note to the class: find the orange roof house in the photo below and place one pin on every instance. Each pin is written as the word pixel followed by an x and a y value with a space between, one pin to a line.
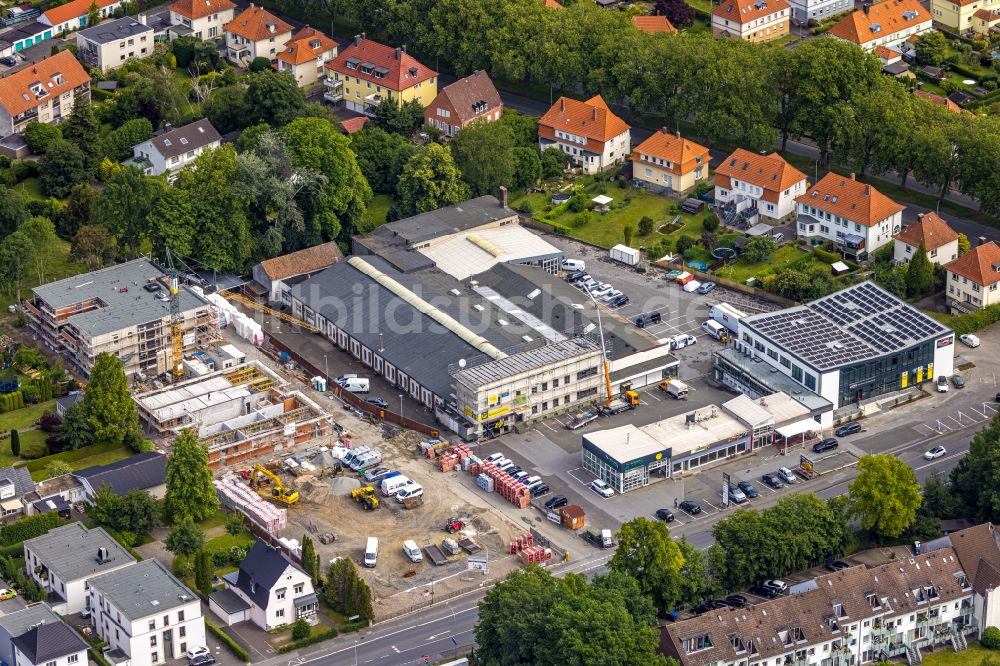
pixel 850 199
pixel 667 153
pixel 769 179
pixel 934 98
pixel 196 9
pixel 654 24
pixel 305 54
pixel 256 24
pixel 35 87
pixel 981 264
pixel 552 4
pixel 884 24
pixel 73 15
pixel 930 230
pixel 393 68
pixel 588 132
pixel 752 20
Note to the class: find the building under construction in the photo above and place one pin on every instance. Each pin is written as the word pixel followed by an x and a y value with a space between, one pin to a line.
pixel 123 310
pixel 239 413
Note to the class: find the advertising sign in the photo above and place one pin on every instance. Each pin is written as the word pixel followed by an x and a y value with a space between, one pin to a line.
pixel 725 490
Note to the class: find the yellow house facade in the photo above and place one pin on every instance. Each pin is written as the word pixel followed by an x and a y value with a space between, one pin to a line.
pixel 366 74
pixel 959 14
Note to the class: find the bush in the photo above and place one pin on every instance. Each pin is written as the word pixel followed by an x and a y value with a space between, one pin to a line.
pixel 972 322
pixel 29 527
pixel 990 638
pixel 301 629
pixel 182 567
pixel 646 226
pixel 259 64
pixel 228 641
pixel 40 135
pixel 711 222
pixel 317 637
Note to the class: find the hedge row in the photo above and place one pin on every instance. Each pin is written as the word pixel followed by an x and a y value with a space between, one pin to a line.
pixel 39 464
pixel 228 641
pixel 29 527
pixel 972 322
pixel 317 637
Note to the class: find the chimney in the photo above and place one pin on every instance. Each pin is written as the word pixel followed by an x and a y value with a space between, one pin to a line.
pixel 398 52
pixel 593 113
pixel 503 196
pixel 852 175
pixel 920 216
pixel 678 134
pixel 562 103
pixel 665 130
pixel 403 47
pixel 357 40
pixel 866 7
pixel 981 240
pixel 868 190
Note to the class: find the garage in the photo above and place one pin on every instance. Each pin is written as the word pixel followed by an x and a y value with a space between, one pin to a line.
pixel 229 607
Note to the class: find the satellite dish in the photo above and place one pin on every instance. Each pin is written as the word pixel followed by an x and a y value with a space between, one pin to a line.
pixel 461 362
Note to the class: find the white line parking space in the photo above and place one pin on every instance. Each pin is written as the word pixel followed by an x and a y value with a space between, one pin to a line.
pixel 575 477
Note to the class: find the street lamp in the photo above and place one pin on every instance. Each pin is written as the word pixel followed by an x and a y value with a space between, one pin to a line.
pixel 326 365
pixel 401 409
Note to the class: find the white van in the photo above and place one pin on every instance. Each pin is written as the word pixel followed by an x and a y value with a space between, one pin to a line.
pixel 357 385
pixel 392 486
pixel 411 551
pixel 531 482
pixel 354 454
pixel 416 490
pixel 343 378
pixel 371 552
pixel 367 461
pixel 574 265
pixel 714 328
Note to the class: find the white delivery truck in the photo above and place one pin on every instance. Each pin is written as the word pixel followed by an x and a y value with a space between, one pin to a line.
pixel 715 329
pixel 727 315
pixel 392 486
pixel 625 254
pixel 371 552
pixel 356 385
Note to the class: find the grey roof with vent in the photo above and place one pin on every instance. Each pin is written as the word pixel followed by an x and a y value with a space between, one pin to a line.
pixel 143 589
pixel 180 140
pixel 260 571
pixel 70 551
pixel 113 31
pixel 854 324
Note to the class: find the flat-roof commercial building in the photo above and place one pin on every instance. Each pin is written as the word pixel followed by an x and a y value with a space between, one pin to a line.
pixel 123 310
pixel 238 413
pixel 626 457
pixel 849 348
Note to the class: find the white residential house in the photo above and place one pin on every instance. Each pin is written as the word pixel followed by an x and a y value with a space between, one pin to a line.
pixel 306 54
pixel 172 149
pixel 767 182
pixel 112 43
pixel 256 33
pixel 66 558
pixel 853 215
pixel 940 241
pixel 973 277
pixel 145 615
pixel 35 636
pixel 276 590
pixel 204 18
pixel 593 137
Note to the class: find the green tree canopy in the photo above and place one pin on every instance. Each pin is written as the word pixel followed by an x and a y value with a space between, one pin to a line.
pixel 273 98
pixel 185 538
pixel 757 248
pixel 381 156
pixel 885 495
pixel 430 180
pixel 62 166
pixel 190 492
pixel 919 273
pixel 484 153
pixel 125 204
pixel 973 479
pixel 107 401
pixel 40 136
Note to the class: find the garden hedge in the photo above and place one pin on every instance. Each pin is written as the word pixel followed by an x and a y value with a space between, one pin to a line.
pixel 317 637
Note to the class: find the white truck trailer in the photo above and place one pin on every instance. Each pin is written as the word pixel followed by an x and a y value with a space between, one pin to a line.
pixel 727 315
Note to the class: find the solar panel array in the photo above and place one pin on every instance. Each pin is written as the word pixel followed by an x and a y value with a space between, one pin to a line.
pixel 854 324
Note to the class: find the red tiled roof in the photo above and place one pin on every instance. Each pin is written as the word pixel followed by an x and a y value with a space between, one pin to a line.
pixel 977 264
pixel 887 54
pixel 305 46
pixel 850 199
pixel 770 172
pixel 682 153
pixel 352 125
pixel 979 553
pixel 73 9
pixel 304 261
pixel 929 229
pixel 552 4
pixel 881 19
pixel 196 9
pixel 592 119
pixel 745 11
pixel 988 15
pixel 654 24
pixel 404 71
pixel 256 23
pixel 934 98
pixel 465 94
pixel 15 89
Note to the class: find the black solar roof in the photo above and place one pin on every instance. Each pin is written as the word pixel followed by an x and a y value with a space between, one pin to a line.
pixel 861 322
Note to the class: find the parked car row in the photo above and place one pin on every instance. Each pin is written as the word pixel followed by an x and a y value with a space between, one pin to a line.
pixel 599 291
pixel 534 484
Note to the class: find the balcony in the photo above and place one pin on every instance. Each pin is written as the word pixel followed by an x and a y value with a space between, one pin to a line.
pixel 88 57
pixel 334 90
pixel 371 103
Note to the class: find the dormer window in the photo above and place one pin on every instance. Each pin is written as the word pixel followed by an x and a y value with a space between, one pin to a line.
pixel 873 602
pixel 838 610
pixel 963 581
pixel 697 643
pixel 737 643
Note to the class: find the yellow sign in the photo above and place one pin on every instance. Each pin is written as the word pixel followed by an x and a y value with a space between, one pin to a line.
pixel 497 412
pixel 492 399
pixel 930 371
pixel 920 374
pixel 659 456
pixel 904 378
pixel 469 412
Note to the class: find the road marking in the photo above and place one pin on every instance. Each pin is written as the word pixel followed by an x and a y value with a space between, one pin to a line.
pixel 394 649
pixel 570 472
pixel 711 505
pixel 940 460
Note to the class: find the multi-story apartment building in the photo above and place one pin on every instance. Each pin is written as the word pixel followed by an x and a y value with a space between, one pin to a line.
pixel 594 138
pixel 960 14
pixel 110 44
pixel 43 92
pixel 367 73
pixel 123 310
pixel 855 216
pixel 803 10
pixel 256 33
pixel 769 182
pixel 973 277
pixel 145 615
pixel 888 23
pixel 752 20
pixel 940 241
pixel 306 54
pixel 458 104
pixel 74 14
pixel 667 163
pixel 936 597
pixel 204 18
pixel 65 559
pixel 171 149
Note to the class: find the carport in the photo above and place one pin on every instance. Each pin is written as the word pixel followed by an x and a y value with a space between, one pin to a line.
pixel 795 433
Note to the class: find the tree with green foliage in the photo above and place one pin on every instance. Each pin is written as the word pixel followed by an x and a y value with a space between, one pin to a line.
pixel 77 211
pixel 645 226
pixel 885 495
pixel 125 204
pixel 381 156
pixel 93 245
pixel 93 14
pixel 273 98
pixel 259 64
pixel 13 210
pixel 627 233
pixel 75 430
pixel 185 538
pixel 235 525
pixel 527 167
pixel 310 560
pixel 301 628
pixel 102 508
pixel 39 136
pixel 554 162
pixel 972 480
pixel 648 554
pixel 83 130
pixel 931 48
pixel 136 512
pixel 963 244
pixel 15 443
pixel 225 108
pixel 61 167
pixel 118 144
pixel 44 245
pixel 57 468
pixel 189 492
pixel 684 245
pixel 172 223
pixel 874 125
pixel 757 249
pixel 343 592
pixel 484 153
pixel 403 119
pixel 939 500
pixel 430 180
pixel 919 273
pixel 15 262
pixel 203 572
pixel 108 402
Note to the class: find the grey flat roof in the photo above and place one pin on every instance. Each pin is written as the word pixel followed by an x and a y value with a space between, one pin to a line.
pixel 112 31
pixel 143 589
pixel 229 601
pixel 71 551
pixel 18 622
pixel 120 288
pixel 854 324
pixel 776 381
pixel 443 221
pixel 492 371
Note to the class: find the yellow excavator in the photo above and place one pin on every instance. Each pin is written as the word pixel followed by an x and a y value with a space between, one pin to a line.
pixel 279 492
pixel 365 496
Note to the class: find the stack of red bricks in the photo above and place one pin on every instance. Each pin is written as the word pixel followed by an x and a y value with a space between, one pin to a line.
pixel 534 555
pixel 520 542
pixel 511 490
pixel 454 457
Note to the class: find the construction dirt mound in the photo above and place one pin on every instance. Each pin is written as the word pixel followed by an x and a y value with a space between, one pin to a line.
pixel 343 485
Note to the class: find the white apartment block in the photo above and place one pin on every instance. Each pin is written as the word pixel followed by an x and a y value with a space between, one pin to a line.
pixel 111 44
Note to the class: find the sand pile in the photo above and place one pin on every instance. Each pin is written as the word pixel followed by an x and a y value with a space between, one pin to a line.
pixel 343 485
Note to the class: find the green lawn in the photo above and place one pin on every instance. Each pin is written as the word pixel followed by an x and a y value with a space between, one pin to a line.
pixel 377 211
pixel 31 188
pixel 217 519
pixel 947 657
pixel 227 541
pixel 20 419
pixel 607 229
pixel 783 256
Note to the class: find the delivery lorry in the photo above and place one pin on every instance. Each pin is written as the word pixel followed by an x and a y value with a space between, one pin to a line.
pixel 727 315
pixel 675 388
pixel 600 538
pixel 625 255
pixel 627 400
